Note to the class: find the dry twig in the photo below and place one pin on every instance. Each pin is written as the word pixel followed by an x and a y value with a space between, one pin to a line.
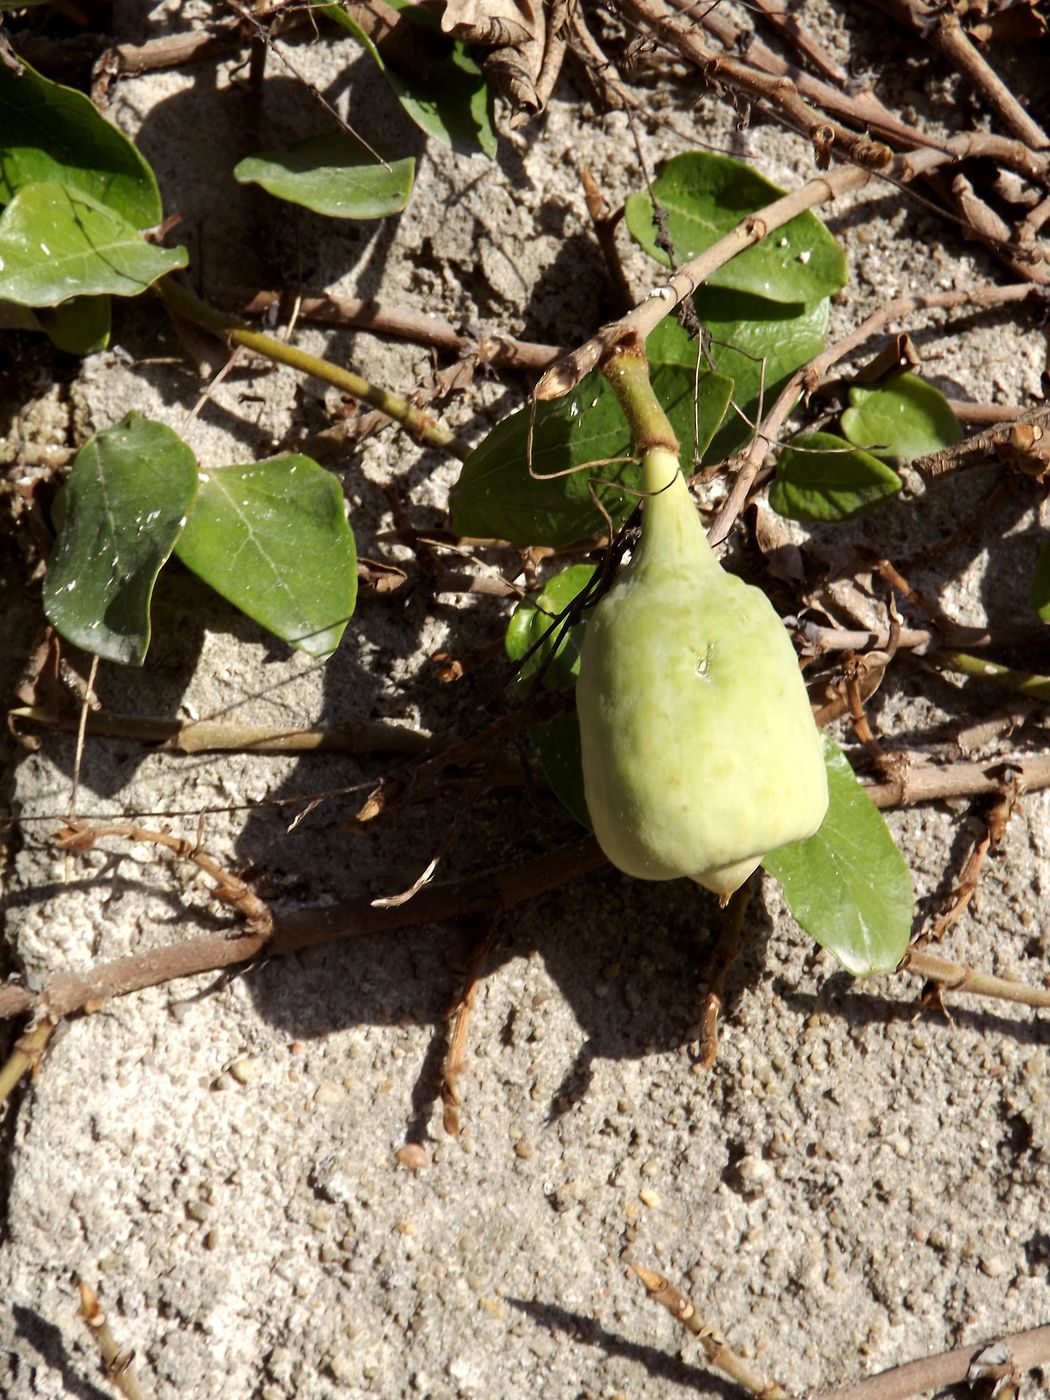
pixel 716 1349
pixel 115 1359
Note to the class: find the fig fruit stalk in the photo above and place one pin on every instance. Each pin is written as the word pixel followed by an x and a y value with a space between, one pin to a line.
pixel 700 753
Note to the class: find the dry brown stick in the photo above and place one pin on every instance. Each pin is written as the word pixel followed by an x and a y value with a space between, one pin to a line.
pixel 863 108
pixel 969 877
pixel 486 894
pixel 986 413
pixel 501 351
pixel 563 376
pixel 787 25
pixel 205 736
pixel 931 784
pixel 933 1373
pixel 716 1349
pixel 456 1056
pixel 943 29
pixel 1031 225
pixel 116 1361
pixel 973 451
pixel 230 889
pixel 175 50
pixel 785 95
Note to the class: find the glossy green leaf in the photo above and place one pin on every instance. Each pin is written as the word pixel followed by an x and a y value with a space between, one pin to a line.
pixel 273 539
pixel 129 493
pixel 79 327
pixel 452 103
pixel 823 477
pixel 332 175
pixel 758 344
pixel 901 416
pixel 50 133
pixel 550 655
pixel 496 496
pixel 56 243
pixel 848 885
pixel 705 196
pixel 1041 584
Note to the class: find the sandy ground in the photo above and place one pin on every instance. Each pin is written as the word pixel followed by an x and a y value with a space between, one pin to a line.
pixel 849 1188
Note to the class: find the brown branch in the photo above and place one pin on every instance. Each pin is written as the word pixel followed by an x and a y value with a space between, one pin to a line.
pixel 456 1056
pixel 969 877
pixel 500 351
pixel 716 1349
pixel 943 29
pixel 933 1373
pixel 566 373
pixel 208 736
pixel 788 27
pixel 862 109
pixel 974 451
pixel 487 894
pixel 930 784
pixel 957 977
pixel 230 889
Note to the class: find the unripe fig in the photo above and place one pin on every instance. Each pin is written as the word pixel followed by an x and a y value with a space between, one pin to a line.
pixel 700 753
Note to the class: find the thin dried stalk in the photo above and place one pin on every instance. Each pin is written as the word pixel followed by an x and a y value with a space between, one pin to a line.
pixel 716 1349
pixel 115 1359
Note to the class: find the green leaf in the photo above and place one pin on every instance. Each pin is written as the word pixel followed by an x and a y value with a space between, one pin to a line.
pixel 848 885
pixel 550 656
pixel 273 539
pixel 758 344
pixel 129 493
pixel 57 243
pixel 54 134
pixel 452 103
pixel 333 175
pixel 79 327
pixel 495 494
pixel 549 650
pixel 705 196
pixel 902 416
pixel 822 477
pixel 1041 584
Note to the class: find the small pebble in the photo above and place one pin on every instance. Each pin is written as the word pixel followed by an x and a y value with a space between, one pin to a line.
pixel 413 1156
pixel 649 1197
pixel 244 1070
pixel 327 1095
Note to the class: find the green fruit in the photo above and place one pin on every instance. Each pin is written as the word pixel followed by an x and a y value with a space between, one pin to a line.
pixel 700 753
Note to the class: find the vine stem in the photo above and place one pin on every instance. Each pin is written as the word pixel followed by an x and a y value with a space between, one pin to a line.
pixel 417 423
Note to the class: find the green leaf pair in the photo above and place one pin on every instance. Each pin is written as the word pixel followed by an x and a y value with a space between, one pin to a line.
pixel 270 537
pixel 78 198
pixel 823 476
